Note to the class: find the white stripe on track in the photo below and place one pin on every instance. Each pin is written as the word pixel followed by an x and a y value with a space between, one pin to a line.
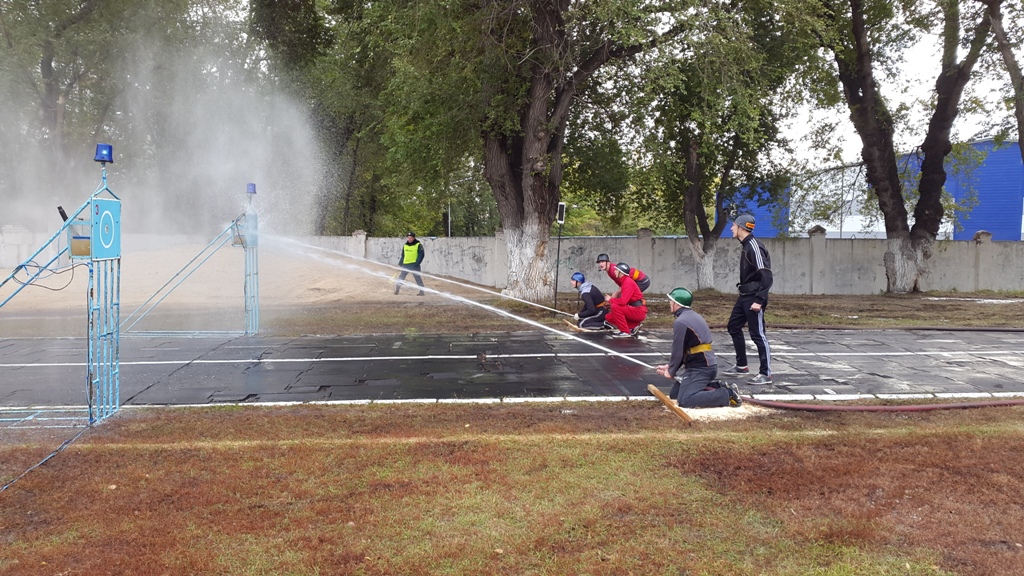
pixel 500 356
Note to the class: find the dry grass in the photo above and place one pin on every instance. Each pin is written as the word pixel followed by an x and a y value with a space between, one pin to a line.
pixel 434 314
pixel 565 488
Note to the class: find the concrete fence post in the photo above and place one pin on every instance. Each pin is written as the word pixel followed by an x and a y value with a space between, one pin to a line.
pixel 644 249
pixel 982 245
pixel 360 244
pixel 500 260
pixel 819 260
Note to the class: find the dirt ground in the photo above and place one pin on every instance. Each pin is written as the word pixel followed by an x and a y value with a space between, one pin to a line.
pixel 315 292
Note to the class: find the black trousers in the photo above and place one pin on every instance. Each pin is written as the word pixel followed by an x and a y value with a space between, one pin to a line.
pixel 741 316
pixel 689 390
pixel 594 322
pixel 409 268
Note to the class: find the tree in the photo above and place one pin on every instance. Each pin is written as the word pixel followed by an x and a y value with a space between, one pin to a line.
pixel 859 34
pixel 57 82
pixel 715 113
pixel 502 76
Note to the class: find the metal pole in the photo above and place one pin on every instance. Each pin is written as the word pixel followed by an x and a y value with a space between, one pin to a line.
pixel 558 257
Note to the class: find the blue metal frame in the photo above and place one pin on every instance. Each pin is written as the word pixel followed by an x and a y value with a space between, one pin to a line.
pixel 103 378
pixel 243 231
pixel 247 226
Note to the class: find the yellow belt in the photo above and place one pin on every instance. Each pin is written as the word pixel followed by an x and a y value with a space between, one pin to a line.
pixel 699 348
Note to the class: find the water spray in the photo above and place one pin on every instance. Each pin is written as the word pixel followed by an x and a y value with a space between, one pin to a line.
pixel 386 275
pixel 242 231
pixel 287 240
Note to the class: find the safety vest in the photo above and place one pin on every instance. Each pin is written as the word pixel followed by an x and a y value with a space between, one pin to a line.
pixel 410 253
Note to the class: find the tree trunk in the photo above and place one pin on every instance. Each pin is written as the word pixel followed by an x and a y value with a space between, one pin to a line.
pixel 1012 69
pixel 905 262
pixel 949 88
pixel 528 268
pixel 704 258
pixel 874 124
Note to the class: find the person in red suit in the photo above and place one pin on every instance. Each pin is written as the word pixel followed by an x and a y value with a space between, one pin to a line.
pixel 643 281
pixel 629 309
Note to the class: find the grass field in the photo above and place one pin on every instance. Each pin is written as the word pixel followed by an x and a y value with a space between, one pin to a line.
pixel 564 488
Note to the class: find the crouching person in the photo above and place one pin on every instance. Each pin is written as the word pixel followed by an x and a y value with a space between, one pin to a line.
pixel 594 308
pixel 691 350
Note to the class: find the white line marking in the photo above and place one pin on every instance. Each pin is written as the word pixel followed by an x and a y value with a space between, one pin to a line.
pixel 497 356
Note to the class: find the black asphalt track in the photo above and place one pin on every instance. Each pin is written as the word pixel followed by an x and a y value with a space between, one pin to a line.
pixel 175 370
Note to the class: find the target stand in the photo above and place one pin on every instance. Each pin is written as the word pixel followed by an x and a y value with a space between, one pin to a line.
pixel 101 249
pixel 93 234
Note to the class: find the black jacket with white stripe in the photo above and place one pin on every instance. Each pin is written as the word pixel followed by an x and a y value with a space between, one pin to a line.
pixel 755 270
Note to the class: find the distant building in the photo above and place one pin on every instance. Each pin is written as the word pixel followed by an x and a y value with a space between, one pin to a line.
pixel 991 192
pixel 999 185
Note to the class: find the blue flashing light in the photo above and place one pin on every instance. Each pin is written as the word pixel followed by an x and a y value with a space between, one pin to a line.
pixel 104 153
pixel 250 188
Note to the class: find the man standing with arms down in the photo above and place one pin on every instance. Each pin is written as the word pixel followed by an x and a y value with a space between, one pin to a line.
pixel 412 255
pixel 691 348
pixel 755 281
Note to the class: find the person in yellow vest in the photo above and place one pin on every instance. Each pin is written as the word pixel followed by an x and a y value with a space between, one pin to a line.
pixel 412 255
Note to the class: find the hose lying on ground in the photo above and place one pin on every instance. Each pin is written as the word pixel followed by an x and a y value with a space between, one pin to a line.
pixel 901 408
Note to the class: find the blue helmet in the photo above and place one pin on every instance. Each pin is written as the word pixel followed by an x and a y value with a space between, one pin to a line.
pixel 578 277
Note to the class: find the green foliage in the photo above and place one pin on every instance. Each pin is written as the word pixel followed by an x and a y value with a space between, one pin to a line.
pixel 597 176
pixel 715 110
pixel 293 29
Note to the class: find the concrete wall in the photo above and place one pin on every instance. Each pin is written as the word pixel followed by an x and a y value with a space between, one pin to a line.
pixel 815 265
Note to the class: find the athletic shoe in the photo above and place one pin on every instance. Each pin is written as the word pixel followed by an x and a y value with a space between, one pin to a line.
pixel 396 289
pixel 421 294
pixel 636 329
pixel 737 370
pixel 735 400
pixel 760 379
pixel 622 335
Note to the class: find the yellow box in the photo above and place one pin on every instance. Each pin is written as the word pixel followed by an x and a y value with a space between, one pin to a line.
pixel 81 246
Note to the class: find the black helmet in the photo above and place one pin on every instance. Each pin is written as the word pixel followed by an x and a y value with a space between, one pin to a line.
pixel 603 258
pixel 745 221
pixel 623 267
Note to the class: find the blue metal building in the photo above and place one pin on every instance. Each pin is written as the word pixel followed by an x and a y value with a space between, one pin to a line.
pixel 997 182
pixel 771 220
pixel 999 185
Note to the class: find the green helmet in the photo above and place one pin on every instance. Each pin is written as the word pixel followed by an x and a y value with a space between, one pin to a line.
pixel 681 296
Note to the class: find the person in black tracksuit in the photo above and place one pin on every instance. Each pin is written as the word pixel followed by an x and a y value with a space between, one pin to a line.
pixel 595 307
pixel 755 281
pixel 691 348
